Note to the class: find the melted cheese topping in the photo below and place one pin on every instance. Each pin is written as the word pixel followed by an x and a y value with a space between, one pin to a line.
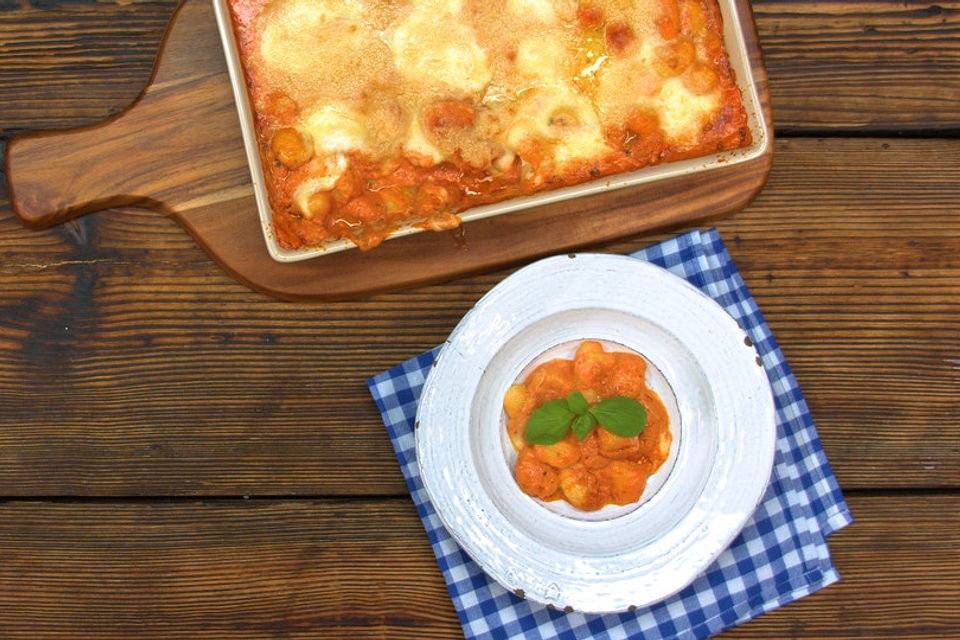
pixel 543 10
pixel 542 59
pixel 418 109
pixel 682 113
pixel 335 127
pixel 435 46
pixel 562 123
pixel 416 142
pixel 322 179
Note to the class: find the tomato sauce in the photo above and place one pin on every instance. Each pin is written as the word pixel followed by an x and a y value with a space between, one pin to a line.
pixel 603 468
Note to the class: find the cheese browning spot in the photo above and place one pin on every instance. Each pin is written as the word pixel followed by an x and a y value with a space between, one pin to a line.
pixel 673 58
pixel 620 38
pixel 701 79
pixel 589 15
pixel 555 128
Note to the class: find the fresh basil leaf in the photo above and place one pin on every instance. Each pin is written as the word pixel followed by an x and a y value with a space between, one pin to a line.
pixel 549 423
pixel 577 403
pixel 622 416
pixel 583 425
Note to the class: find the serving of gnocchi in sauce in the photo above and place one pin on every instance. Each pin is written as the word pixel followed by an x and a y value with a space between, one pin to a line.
pixel 602 468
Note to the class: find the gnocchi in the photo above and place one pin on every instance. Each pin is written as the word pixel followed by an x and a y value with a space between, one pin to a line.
pixel 602 468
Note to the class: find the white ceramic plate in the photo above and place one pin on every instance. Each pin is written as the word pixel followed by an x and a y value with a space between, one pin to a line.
pixel 704 368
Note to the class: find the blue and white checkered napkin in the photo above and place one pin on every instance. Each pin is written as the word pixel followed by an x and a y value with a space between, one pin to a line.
pixel 780 556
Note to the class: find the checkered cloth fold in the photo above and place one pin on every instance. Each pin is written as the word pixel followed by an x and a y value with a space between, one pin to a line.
pixel 780 556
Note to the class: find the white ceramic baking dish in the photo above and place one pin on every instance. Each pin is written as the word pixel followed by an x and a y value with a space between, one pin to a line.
pixel 739 61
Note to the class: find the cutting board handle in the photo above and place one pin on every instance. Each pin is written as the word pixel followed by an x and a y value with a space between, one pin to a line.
pixel 165 150
pixel 57 176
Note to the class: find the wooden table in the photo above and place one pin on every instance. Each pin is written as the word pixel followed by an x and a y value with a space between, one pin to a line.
pixel 181 457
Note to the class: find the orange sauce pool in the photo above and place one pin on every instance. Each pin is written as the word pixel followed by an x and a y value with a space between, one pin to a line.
pixel 603 468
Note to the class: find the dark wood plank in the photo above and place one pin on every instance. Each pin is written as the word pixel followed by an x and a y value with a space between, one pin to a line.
pixel 876 65
pixel 855 267
pixel 131 365
pixel 879 65
pixel 236 570
pixel 899 569
pixel 333 569
pixel 74 62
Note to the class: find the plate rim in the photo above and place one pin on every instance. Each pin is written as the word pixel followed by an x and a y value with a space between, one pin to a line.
pixel 454 523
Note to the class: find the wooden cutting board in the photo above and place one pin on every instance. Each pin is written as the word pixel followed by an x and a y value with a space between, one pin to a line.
pixel 178 150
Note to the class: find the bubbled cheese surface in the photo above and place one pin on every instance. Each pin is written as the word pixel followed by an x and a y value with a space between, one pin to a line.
pixel 304 45
pixel 434 46
pixel 534 80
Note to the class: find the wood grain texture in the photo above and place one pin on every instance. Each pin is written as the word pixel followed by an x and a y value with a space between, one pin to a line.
pixel 874 65
pixel 226 570
pixel 898 566
pixel 74 62
pixel 335 569
pixel 177 151
pixel 854 265
pixel 131 365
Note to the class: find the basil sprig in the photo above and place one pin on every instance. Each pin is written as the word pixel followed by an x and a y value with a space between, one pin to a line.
pixel 619 415
pixel 549 423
